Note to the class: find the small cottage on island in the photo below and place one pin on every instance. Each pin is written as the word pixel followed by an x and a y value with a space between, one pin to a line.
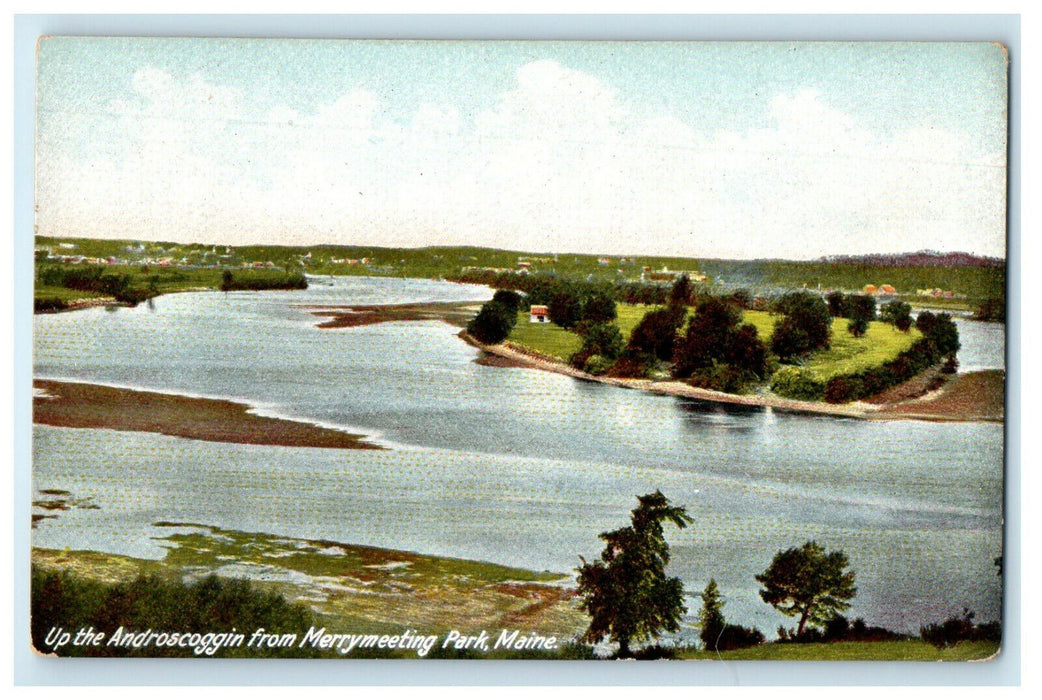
pixel 539 314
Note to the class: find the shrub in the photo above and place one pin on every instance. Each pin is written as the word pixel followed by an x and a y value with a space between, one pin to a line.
pixel 654 652
pixel 738 637
pixel 796 383
pixel 721 377
pixel 597 365
pixel 843 389
pixel 49 304
pixel 951 631
pixel 493 323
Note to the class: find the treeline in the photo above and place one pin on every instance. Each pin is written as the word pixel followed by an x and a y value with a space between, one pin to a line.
pixel 211 605
pixel 259 280
pixel 95 279
pixel 542 285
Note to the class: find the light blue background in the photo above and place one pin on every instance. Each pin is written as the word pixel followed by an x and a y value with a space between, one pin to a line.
pixel 33 670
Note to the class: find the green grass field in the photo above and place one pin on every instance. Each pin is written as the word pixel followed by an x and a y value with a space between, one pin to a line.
pixel 62 294
pixel 904 650
pixel 545 338
pixel 848 354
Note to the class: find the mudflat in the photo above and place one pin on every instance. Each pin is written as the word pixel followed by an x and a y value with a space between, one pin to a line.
pixel 81 405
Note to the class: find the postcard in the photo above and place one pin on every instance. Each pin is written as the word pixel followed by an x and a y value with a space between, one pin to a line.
pixel 367 349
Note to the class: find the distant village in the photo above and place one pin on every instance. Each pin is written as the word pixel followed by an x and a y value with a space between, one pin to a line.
pixel 217 257
pixel 227 258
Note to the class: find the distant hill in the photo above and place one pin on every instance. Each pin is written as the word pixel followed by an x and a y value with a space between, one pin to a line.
pixel 922 258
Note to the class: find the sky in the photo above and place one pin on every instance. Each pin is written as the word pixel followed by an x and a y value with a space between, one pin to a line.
pixel 713 150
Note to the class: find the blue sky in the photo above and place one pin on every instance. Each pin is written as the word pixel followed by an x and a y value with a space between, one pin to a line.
pixel 701 149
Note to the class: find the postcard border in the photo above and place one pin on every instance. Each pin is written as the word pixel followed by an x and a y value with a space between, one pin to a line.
pixel 32 670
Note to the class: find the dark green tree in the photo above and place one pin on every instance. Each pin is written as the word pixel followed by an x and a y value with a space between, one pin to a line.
pixel 857 327
pixel 493 323
pixel 808 583
pixel 837 302
pixel 747 352
pixel 711 616
pixel 894 312
pixel 599 307
pixel 708 338
pixel 945 334
pixel 807 325
pixel 656 333
pixel 627 594
pixel 861 311
pixel 680 295
pixel 509 299
pixel 565 308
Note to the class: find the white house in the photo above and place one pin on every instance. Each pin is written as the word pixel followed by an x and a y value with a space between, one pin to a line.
pixel 539 314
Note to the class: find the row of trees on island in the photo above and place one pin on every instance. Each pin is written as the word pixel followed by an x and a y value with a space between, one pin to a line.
pixel 631 601
pixel 712 347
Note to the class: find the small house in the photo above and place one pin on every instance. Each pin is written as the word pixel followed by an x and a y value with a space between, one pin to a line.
pixel 539 314
pixel 887 289
pixel 870 289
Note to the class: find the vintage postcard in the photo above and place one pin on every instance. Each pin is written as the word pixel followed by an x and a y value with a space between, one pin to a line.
pixel 519 350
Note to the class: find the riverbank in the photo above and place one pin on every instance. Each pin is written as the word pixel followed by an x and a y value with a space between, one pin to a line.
pixel 976 396
pixel 83 405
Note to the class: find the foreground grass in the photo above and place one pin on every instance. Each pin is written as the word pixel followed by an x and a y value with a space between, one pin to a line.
pixel 350 587
pixel 904 650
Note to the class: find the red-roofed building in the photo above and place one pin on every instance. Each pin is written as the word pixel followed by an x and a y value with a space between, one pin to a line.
pixel 539 314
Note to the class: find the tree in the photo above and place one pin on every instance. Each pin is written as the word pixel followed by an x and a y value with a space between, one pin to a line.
pixel 493 323
pixel 807 325
pixel 895 312
pixel 747 352
pixel 565 308
pixel 808 583
pixel 709 336
pixel 656 333
pixel 711 616
pixel 680 295
pixel 862 311
pixel 627 594
pixel 599 307
pixel 509 299
pixel 837 302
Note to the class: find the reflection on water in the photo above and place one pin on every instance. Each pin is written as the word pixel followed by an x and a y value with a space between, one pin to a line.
pixel 510 465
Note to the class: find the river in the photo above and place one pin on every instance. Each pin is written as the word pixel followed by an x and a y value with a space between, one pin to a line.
pixel 515 466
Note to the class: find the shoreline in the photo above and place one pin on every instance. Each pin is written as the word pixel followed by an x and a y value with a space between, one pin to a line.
pixel 85 405
pixel 951 403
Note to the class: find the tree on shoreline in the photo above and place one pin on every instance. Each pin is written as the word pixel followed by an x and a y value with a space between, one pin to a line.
pixel 808 583
pixel 626 592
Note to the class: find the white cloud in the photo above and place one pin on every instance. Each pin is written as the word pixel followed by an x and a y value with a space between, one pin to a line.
pixel 560 161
